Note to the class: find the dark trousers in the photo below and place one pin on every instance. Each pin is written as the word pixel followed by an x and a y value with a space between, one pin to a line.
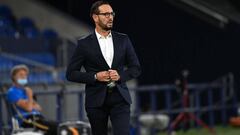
pixel 52 125
pixel 115 108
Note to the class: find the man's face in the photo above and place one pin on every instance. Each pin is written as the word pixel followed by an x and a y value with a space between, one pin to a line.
pixel 21 74
pixel 105 17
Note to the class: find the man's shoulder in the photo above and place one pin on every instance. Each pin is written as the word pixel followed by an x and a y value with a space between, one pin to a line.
pixel 84 40
pixel 85 37
pixel 12 90
pixel 91 35
pixel 13 93
pixel 119 34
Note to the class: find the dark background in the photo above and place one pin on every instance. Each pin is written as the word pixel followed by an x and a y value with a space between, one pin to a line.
pixel 168 40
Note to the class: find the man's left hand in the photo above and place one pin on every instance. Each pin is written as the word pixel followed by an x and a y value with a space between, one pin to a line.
pixel 114 76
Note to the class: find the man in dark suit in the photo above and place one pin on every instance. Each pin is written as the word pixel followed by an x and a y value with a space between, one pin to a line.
pixel 109 60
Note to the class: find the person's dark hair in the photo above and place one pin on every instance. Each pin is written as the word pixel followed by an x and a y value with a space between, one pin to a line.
pixel 96 5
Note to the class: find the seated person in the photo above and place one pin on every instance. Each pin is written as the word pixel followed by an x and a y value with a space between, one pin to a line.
pixel 26 108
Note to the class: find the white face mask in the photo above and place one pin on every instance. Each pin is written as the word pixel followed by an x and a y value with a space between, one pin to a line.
pixel 22 81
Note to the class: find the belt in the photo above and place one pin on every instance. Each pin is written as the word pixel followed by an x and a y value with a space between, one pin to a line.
pixel 111 89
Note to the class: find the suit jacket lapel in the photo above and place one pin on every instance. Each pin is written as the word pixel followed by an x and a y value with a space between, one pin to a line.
pixel 97 49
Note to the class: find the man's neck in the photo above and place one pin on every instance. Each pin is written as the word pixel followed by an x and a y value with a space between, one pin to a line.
pixel 103 32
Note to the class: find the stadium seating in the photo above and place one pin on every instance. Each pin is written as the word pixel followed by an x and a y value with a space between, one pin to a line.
pixel 12 28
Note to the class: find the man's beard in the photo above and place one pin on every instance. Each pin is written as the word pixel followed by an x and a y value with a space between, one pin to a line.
pixel 105 27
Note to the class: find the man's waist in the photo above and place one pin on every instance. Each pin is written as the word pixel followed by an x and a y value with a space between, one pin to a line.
pixel 111 89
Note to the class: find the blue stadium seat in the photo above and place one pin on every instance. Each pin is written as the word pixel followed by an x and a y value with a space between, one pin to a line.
pixel 8 32
pixel 11 32
pixel 11 28
pixel 4 22
pixel 49 34
pixel 31 32
pixel 26 22
pixel 5 11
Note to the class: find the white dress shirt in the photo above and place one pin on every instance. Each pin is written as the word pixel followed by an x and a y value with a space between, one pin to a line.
pixel 106 45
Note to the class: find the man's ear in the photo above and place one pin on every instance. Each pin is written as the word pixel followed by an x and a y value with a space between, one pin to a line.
pixel 95 18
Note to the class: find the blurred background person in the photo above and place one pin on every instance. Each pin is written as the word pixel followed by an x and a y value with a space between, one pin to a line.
pixel 27 110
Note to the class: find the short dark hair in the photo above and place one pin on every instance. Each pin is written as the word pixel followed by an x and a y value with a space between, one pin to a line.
pixel 96 5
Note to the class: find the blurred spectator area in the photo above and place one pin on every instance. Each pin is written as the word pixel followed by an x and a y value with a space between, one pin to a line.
pixel 22 42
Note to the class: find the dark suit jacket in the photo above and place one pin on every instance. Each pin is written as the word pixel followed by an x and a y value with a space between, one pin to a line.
pixel 88 54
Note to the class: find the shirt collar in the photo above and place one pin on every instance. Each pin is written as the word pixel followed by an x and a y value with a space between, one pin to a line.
pixel 101 37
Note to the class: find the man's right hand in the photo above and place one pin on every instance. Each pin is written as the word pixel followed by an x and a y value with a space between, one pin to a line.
pixel 103 76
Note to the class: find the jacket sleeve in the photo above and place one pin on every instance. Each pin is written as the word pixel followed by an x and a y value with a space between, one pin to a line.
pixel 131 61
pixel 74 72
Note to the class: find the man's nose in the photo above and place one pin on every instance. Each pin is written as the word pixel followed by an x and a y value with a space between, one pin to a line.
pixel 111 18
